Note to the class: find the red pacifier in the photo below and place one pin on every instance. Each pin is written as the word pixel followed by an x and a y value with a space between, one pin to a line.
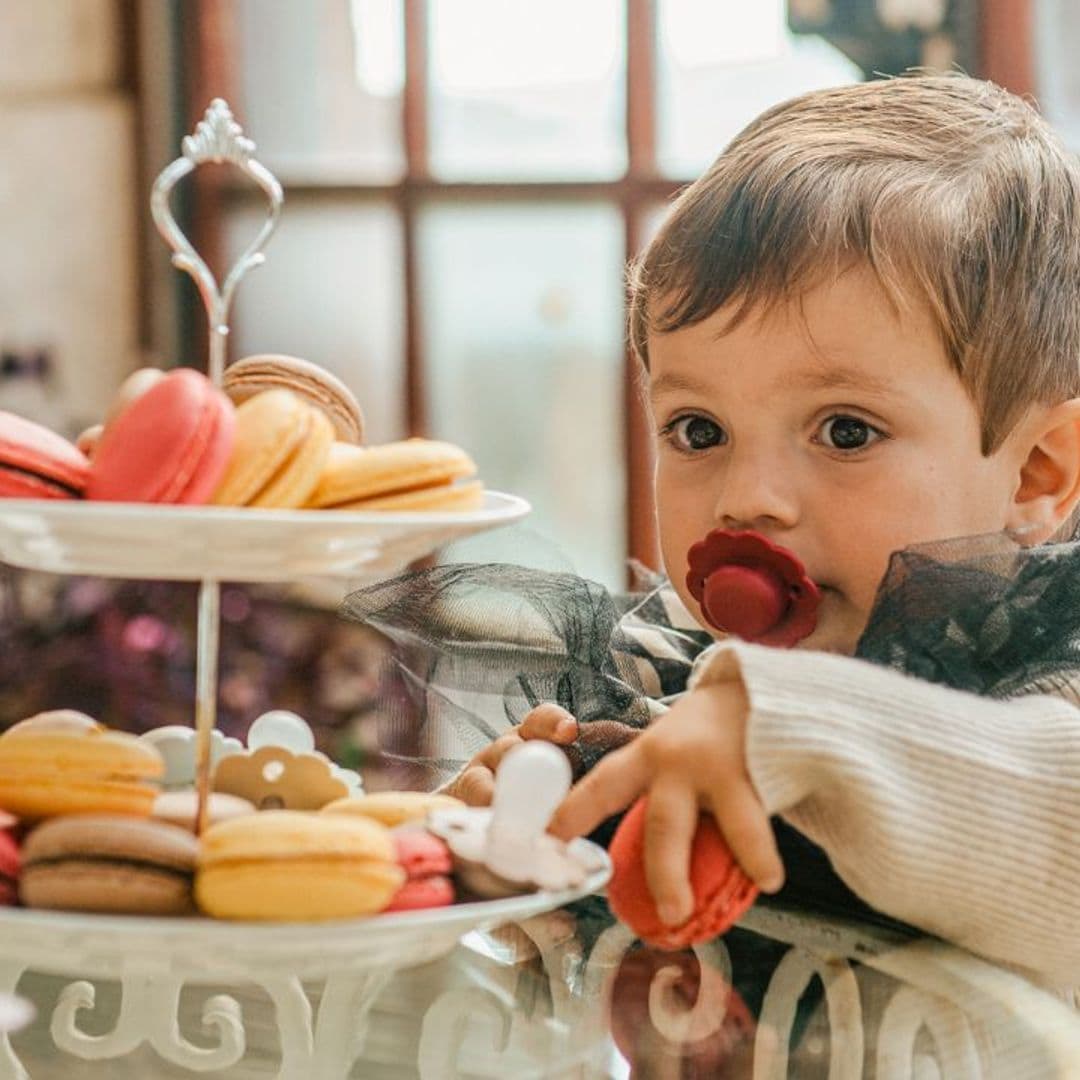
pixel 752 588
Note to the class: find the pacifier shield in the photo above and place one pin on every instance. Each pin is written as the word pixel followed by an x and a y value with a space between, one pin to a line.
pixel 750 587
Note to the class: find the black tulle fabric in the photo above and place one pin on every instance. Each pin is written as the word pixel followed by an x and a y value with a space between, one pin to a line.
pixel 981 614
pixel 479 645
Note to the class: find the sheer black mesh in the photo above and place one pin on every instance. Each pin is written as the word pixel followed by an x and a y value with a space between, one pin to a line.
pixel 479 645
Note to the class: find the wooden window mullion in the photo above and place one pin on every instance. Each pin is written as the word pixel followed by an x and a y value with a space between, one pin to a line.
pixel 414 116
pixel 641 52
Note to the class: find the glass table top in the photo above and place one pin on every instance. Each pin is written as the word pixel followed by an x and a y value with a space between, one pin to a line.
pixel 571 993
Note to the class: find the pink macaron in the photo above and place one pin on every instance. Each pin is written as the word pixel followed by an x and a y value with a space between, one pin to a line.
pixel 36 463
pixel 9 870
pixel 170 445
pixel 427 864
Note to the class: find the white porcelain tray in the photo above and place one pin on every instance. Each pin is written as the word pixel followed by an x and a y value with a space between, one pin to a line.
pixel 189 543
pixel 201 949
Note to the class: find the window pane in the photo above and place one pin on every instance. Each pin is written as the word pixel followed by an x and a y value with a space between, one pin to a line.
pixel 522 313
pixel 321 82
pixel 1057 34
pixel 527 90
pixel 721 62
pixel 330 292
pixel 649 221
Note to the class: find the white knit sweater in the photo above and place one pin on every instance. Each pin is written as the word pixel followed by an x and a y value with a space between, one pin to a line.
pixel 952 812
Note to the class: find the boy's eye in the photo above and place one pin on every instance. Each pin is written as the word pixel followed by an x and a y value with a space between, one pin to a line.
pixel 848 433
pixel 690 433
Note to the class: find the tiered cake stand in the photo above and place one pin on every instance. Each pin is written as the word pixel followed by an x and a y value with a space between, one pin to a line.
pixel 154 959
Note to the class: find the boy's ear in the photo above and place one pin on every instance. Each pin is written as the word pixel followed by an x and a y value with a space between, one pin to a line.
pixel 1049 488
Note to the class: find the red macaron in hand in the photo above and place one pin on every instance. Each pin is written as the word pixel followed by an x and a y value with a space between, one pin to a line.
pixel 36 463
pixel 722 892
pixel 170 445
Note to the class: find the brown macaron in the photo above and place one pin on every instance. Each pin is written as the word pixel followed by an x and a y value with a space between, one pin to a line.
pixel 109 863
pixel 256 374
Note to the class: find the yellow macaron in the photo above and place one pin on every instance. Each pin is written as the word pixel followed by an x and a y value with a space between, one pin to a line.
pixel 292 866
pixel 415 472
pixel 393 808
pixel 279 452
pixel 63 762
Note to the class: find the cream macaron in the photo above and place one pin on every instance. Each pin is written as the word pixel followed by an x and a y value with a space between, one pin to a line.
pixel 293 866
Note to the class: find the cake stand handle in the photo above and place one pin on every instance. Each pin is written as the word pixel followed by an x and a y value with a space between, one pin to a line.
pixel 206 670
pixel 217 138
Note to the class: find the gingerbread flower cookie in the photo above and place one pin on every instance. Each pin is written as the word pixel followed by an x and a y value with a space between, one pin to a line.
pixel 281 769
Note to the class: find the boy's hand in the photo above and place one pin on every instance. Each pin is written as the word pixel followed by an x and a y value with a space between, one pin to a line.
pixel 475 785
pixel 692 758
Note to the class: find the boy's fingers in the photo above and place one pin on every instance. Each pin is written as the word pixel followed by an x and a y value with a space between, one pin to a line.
pixel 670 821
pixel 475 786
pixel 491 755
pixel 551 722
pixel 746 828
pixel 610 787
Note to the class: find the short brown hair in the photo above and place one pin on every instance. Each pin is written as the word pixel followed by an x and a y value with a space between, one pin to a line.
pixel 954 191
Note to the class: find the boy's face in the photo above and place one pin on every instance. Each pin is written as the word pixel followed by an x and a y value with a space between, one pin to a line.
pixel 836 428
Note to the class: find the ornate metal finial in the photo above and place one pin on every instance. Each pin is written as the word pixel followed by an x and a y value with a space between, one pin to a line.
pixel 218 138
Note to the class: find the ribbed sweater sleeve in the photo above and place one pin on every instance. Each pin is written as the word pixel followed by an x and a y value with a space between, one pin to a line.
pixel 955 813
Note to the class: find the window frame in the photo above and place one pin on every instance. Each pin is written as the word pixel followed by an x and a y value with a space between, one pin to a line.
pixel 209 36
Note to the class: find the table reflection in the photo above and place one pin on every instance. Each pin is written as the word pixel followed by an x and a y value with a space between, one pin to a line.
pixel 571 993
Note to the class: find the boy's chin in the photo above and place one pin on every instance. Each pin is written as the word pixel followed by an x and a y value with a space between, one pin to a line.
pixel 834 635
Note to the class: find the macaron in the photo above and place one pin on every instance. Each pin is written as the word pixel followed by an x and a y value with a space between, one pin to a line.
pixel 109 863
pixel 427 864
pixel 62 762
pixel 254 374
pixel 414 474
pixel 134 386
pixel 36 463
pixel 282 444
pixel 393 808
pixel 9 870
pixel 180 808
pixel 171 444
pixel 292 866
pixel 722 892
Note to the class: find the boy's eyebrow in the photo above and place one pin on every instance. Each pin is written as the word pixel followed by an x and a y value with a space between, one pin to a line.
pixel 672 382
pixel 818 378
pixel 843 378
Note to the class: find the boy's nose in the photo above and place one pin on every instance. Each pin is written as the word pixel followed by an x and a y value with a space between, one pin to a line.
pixel 755 494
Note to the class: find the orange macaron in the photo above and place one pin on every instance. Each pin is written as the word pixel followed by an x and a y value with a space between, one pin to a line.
pixel 413 474
pixel 282 443
pixel 63 762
